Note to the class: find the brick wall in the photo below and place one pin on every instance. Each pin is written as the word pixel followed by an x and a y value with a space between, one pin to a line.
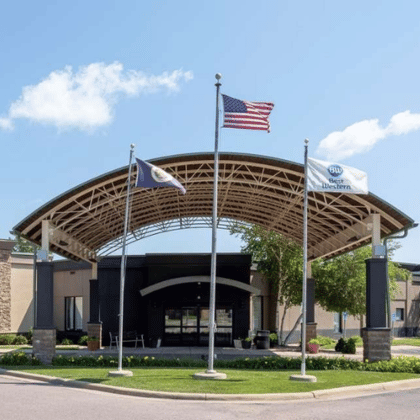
pixel 5 285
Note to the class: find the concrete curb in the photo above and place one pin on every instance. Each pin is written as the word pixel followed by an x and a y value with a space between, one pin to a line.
pixel 326 394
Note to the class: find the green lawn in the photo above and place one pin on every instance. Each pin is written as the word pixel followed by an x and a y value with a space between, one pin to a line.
pixel 29 347
pixel 410 341
pixel 238 382
pixel 16 347
pixel 329 346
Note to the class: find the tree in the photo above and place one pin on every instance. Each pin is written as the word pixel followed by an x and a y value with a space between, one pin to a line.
pixel 280 260
pixel 23 245
pixel 341 281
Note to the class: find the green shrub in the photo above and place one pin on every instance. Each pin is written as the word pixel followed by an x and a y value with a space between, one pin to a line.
pixel 128 361
pixel 325 341
pixel 400 364
pixel 67 342
pixel 18 359
pixel 30 335
pixel 7 339
pixel 339 347
pixel 273 339
pixel 83 340
pixel 314 341
pixel 20 340
pixel 350 346
pixel 346 346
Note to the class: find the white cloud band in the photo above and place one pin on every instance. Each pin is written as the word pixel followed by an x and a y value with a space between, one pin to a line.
pixel 86 99
pixel 362 136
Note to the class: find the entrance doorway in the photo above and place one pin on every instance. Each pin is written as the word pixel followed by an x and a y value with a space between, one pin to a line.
pixel 189 326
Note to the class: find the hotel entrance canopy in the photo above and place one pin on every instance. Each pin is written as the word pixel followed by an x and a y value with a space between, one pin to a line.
pixel 87 221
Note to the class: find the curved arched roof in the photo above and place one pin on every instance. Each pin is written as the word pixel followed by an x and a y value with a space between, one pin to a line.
pixel 87 221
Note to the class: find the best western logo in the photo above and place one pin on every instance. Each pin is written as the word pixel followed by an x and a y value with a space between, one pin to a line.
pixel 335 170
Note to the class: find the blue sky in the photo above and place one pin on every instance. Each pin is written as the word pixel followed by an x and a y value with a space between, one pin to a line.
pixel 79 84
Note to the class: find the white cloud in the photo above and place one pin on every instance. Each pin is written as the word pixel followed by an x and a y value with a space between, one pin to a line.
pixel 86 99
pixel 404 123
pixel 6 123
pixel 360 137
pixel 357 138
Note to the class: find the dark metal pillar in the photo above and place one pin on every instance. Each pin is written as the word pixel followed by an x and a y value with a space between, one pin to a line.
pixel 311 325
pixel 94 325
pixel 94 313
pixel 310 301
pixel 45 295
pixel 44 336
pixel 376 293
pixel 376 335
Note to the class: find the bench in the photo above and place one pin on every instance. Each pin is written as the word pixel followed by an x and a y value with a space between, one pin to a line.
pixel 128 337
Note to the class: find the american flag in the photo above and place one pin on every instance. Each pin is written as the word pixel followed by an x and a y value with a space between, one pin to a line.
pixel 246 115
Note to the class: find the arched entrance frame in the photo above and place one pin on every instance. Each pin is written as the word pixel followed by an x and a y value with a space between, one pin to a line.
pixel 198 279
pixel 86 222
pixel 184 301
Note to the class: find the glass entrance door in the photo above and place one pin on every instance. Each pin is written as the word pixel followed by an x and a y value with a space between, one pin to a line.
pixel 181 326
pixel 223 336
pixel 204 327
pixel 189 326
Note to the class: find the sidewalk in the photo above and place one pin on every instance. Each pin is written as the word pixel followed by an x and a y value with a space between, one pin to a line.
pixel 223 353
pixel 227 353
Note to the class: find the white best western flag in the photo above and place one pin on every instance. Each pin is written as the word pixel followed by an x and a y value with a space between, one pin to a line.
pixel 332 177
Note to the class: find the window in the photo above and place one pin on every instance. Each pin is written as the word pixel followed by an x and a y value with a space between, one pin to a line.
pixel 257 313
pixel 338 328
pixel 74 313
pixel 399 314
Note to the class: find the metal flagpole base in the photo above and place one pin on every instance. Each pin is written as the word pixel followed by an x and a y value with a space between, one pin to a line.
pixel 303 378
pixel 120 373
pixel 210 375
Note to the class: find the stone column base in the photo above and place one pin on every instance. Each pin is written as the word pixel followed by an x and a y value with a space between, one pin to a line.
pixel 43 344
pixel 310 332
pixel 376 344
pixel 94 329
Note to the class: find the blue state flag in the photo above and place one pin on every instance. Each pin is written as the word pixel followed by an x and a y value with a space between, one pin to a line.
pixel 150 176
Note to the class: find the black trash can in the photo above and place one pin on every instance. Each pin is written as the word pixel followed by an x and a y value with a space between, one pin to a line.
pixel 262 339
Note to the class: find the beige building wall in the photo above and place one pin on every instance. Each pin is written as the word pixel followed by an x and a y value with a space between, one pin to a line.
pixel 413 309
pixel 67 284
pixel 273 312
pixel 18 312
pixel 263 299
pixel 323 318
pixel 407 300
pixel 22 293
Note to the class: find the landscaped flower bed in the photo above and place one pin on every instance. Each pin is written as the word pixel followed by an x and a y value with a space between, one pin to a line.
pixel 399 364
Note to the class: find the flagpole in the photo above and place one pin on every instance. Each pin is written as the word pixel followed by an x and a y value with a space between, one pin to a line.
pixel 121 372
pixel 303 376
pixel 210 373
pixel 305 260
pixel 212 314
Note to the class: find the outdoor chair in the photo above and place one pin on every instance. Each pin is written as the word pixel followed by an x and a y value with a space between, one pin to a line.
pixel 113 339
pixel 128 337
